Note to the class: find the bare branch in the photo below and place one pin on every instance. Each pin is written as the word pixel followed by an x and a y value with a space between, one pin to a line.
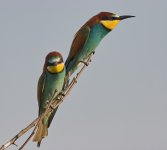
pixel 28 139
pixel 16 137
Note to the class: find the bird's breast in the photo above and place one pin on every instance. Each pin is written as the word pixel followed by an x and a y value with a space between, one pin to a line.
pixel 54 82
pixel 97 33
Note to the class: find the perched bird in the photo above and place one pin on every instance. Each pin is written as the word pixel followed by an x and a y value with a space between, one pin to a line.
pixel 51 80
pixel 89 36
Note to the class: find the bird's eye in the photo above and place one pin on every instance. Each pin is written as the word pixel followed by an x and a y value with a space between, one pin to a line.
pixel 115 17
pixel 54 59
pixel 107 18
pixel 57 59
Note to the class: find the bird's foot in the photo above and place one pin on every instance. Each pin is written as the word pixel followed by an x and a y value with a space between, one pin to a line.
pixel 93 53
pixel 89 57
pixel 47 104
pixel 62 93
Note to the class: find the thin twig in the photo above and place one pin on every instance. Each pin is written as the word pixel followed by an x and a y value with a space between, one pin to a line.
pixel 22 132
pixel 52 105
pixel 28 139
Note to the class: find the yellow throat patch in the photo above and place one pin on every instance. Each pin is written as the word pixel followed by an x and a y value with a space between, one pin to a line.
pixel 110 24
pixel 56 69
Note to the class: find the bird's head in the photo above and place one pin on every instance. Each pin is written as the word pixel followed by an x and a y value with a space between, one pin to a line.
pixel 54 62
pixel 110 20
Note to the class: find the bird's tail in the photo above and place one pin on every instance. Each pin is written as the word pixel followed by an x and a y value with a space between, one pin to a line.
pixel 66 82
pixel 42 131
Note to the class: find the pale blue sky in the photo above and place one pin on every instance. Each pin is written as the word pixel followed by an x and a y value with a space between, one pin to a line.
pixel 120 101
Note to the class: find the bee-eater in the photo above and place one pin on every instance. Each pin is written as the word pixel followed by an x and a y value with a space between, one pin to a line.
pixel 51 80
pixel 89 36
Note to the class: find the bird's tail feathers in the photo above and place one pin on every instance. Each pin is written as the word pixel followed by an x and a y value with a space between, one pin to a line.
pixel 42 131
pixel 66 82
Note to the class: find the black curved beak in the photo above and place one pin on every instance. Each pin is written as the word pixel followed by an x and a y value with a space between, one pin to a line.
pixel 124 17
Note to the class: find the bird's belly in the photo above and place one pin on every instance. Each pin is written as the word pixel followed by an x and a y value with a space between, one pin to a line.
pixel 52 86
pixel 91 45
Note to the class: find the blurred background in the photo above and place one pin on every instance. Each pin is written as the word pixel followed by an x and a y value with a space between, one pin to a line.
pixel 120 100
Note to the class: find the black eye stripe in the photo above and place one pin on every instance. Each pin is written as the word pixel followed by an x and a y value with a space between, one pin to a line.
pixel 111 17
pixel 55 62
pixel 107 18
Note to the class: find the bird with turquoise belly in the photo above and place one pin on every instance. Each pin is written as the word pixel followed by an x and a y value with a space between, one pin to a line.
pixel 51 81
pixel 88 38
